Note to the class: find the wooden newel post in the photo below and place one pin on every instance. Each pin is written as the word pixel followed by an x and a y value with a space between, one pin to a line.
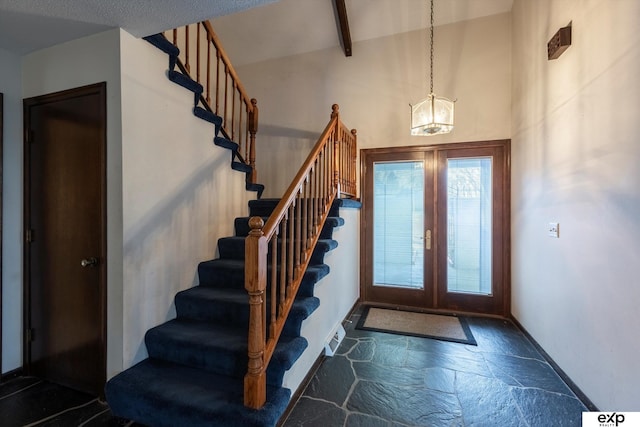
pixel 353 154
pixel 336 150
pixel 253 129
pixel 255 281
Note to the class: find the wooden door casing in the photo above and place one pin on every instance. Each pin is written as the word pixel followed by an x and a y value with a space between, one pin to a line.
pixel 440 299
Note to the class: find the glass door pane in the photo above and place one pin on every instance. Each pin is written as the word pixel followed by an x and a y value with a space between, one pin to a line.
pixel 469 225
pixel 398 224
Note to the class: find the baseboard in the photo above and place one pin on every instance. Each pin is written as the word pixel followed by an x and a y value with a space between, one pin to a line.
pixel 307 379
pixel 303 386
pixel 574 388
pixel 9 375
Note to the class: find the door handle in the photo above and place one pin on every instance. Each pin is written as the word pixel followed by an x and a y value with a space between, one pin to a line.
pixel 89 262
pixel 427 239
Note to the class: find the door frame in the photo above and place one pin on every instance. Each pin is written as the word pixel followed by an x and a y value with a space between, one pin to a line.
pixel 1 195
pixel 504 222
pixel 101 90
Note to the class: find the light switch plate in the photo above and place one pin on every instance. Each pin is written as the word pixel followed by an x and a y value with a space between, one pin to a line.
pixel 554 229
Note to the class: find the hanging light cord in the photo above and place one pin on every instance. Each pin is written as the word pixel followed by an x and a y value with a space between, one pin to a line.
pixel 431 58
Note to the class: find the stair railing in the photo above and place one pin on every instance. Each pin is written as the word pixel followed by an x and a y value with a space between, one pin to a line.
pixel 282 248
pixel 203 58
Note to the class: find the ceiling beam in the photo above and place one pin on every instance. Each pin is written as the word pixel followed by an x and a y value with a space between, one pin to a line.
pixel 340 10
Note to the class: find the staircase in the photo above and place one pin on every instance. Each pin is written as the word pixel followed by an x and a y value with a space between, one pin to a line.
pixel 197 361
pixel 202 110
pixel 222 360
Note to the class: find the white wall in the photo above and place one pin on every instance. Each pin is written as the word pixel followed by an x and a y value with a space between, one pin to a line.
pixel 338 292
pixel 10 86
pixel 179 192
pixel 575 160
pixel 374 88
pixel 78 63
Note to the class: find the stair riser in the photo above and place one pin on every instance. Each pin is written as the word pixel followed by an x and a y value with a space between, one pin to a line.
pixel 266 207
pixel 222 361
pixel 242 227
pixel 235 249
pixel 235 314
pixel 223 277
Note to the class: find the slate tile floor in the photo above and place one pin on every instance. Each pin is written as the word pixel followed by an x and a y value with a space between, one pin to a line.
pixel 375 379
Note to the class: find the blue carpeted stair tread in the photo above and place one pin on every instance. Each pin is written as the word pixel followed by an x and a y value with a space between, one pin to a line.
pixel 163 394
pixel 221 141
pixel 229 273
pixel 231 306
pixel 161 42
pixel 242 226
pixel 216 348
pixel 186 82
pixel 233 248
pixel 241 167
pixel 208 116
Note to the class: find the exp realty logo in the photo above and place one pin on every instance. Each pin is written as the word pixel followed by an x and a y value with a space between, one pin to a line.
pixel 611 419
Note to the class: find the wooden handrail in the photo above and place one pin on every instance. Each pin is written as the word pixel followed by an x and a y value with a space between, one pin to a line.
pixel 223 92
pixel 285 245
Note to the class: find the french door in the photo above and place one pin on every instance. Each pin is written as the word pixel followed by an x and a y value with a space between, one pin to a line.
pixel 436 227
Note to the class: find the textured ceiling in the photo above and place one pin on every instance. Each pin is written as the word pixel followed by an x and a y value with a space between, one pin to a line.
pixel 27 25
pixel 299 26
pixel 276 29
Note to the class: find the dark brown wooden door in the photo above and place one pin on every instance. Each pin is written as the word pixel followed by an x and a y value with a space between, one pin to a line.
pixel 436 227
pixel 65 233
pixel 399 215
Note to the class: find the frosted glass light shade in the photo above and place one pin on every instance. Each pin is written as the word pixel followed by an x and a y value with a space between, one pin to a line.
pixel 432 116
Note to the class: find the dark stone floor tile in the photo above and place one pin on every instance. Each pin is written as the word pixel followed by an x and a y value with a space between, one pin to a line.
pixel 315 413
pixel 542 409
pixel 332 381
pixel 346 345
pixel 487 401
pixel 77 415
pixel 39 402
pixel 440 379
pixel 390 352
pixel 407 405
pixel 502 337
pixel 363 420
pixel 388 374
pixel 523 372
pixel 427 359
pixel 15 385
pixel 363 351
pixel 443 347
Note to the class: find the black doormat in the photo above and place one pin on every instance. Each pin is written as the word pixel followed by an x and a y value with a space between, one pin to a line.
pixel 443 327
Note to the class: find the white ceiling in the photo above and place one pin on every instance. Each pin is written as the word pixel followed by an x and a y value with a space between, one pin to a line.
pixel 28 25
pixel 275 29
pixel 289 27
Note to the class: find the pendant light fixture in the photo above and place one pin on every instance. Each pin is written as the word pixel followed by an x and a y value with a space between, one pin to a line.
pixel 434 114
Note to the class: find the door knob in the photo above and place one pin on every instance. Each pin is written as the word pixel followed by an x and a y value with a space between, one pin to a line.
pixel 89 262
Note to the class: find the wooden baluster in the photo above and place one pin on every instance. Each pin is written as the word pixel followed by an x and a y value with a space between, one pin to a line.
pixel 233 110
pixel 198 53
pixel 274 284
pixel 240 133
pixel 175 37
pixel 255 381
pixel 298 229
pixel 312 196
pixel 217 82
pixel 283 257
pixel 208 94
pixel 226 90
pixel 290 250
pixel 305 219
pixel 354 154
pixel 186 49
pixel 253 129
